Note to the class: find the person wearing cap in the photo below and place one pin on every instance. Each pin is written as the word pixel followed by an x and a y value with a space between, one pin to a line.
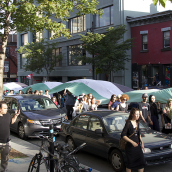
pixel 145 109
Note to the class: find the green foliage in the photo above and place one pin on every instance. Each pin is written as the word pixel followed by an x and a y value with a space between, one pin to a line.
pixel 40 55
pixel 24 15
pixel 108 50
pixel 161 2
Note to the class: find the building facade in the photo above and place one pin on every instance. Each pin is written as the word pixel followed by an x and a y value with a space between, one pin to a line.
pixel 10 63
pixel 115 13
pixel 152 52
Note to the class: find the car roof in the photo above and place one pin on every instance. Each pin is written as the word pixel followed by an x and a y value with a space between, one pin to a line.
pixel 104 113
pixel 26 96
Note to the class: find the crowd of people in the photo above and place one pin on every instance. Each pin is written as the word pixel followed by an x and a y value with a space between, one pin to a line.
pixel 147 110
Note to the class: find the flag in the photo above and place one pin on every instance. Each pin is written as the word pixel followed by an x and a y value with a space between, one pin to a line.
pixel 29 76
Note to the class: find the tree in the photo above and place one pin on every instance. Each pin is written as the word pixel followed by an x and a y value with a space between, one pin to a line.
pixel 40 55
pixel 34 16
pixel 161 2
pixel 108 50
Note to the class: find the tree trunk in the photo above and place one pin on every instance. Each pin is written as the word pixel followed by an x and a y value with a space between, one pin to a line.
pixel 3 50
pixel 2 57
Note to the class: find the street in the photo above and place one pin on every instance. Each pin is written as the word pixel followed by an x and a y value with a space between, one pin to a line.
pixel 100 164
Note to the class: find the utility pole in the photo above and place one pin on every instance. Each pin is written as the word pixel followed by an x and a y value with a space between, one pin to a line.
pixel 51 146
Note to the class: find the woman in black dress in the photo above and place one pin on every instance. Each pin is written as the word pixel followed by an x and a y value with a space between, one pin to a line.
pixel 134 146
pixel 154 110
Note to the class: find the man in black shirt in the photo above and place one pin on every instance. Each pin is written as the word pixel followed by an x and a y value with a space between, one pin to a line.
pixel 5 121
pixel 145 110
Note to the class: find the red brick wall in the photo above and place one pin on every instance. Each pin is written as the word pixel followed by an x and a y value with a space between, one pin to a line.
pixel 155 44
pixel 12 45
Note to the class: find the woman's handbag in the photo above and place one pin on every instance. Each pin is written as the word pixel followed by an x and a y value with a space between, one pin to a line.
pixel 122 142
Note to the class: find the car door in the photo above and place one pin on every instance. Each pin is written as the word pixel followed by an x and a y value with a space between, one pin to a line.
pixel 14 107
pixel 95 142
pixel 78 129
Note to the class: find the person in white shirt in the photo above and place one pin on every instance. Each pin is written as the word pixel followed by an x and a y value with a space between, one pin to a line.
pixel 11 92
pixel 46 94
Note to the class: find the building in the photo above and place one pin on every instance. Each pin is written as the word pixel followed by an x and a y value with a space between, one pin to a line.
pixel 152 50
pixel 10 63
pixel 115 13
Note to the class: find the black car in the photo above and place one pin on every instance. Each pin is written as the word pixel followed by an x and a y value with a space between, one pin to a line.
pixel 36 113
pixel 101 131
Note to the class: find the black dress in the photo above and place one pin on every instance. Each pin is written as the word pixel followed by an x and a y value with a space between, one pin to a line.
pixel 135 157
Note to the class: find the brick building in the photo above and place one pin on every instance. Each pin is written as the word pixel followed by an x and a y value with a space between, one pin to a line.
pixel 152 50
pixel 10 63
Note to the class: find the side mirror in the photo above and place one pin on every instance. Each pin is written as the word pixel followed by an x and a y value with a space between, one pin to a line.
pixel 98 131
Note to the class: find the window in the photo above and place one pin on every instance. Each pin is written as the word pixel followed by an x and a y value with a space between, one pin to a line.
pixel 94 124
pixel 73 52
pixel 56 52
pixel 23 61
pixel 106 19
pixel 77 24
pixel 144 42
pixel 24 39
pixel 81 121
pixel 37 36
pixel 166 39
pixel 51 34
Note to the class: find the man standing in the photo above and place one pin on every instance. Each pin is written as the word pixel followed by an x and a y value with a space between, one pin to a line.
pixel 145 110
pixel 5 121
pixel 69 102
pixel 157 77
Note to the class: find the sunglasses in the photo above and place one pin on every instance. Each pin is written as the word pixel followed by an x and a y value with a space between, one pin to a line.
pixel 125 99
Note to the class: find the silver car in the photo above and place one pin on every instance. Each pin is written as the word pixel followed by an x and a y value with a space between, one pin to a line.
pixel 36 114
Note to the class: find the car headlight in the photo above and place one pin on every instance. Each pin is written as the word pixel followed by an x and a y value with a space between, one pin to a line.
pixel 171 146
pixel 33 122
pixel 147 150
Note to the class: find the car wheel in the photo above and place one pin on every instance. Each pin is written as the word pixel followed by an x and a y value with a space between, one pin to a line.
pixel 117 161
pixel 71 144
pixel 21 131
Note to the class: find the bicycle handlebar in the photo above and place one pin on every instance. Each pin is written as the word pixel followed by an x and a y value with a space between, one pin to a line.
pixel 77 149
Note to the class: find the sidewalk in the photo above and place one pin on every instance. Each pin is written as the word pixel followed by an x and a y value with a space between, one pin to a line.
pixel 29 149
pixel 22 164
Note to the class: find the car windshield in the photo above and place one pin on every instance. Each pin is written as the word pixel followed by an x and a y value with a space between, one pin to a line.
pixel 36 104
pixel 117 122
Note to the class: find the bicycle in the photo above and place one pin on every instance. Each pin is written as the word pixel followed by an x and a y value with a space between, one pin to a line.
pixel 63 161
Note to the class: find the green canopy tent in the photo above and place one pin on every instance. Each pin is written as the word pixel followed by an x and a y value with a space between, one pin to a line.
pixel 77 89
pixel 5 88
pixel 163 95
pixel 38 86
pixel 136 96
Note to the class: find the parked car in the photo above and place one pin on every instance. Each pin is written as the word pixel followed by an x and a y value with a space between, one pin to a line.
pixel 101 131
pixel 36 113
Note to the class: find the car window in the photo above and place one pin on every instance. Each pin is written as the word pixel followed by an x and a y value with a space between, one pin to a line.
pixel 116 122
pixel 81 121
pixel 14 104
pixel 94 124
pixel 36 104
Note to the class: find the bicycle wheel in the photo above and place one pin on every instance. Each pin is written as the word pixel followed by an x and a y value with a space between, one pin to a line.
pixel 34 164
pixel 69 168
